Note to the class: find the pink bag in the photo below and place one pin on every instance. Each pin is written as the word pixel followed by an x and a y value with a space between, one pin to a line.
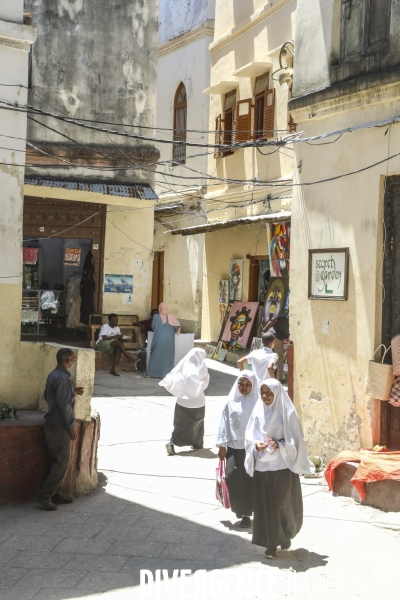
pixel 221 488
pixel 394 399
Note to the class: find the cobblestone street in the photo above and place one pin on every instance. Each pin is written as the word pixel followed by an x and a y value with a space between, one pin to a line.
pixel 157 512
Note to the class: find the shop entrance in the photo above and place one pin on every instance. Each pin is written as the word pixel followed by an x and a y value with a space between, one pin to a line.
pixel 53 264
pixel 390 415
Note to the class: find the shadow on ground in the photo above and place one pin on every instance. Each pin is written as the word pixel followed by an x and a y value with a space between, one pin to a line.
pixel 102 542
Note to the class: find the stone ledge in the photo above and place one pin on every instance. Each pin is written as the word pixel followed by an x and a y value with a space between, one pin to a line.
pixel 382 494
pixel 24 461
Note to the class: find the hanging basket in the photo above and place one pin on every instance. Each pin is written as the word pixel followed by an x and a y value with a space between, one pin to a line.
pixel 379 377
pixel 396 355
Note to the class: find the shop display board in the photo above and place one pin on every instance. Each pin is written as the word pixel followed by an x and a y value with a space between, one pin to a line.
pixel 118 284
pixel 328 274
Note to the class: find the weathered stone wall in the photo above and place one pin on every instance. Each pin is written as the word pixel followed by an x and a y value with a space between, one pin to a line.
pixel 98 61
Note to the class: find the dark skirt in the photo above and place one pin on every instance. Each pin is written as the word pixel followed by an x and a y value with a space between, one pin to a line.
pixel 278 507
pixel 240 484
pixel 188 426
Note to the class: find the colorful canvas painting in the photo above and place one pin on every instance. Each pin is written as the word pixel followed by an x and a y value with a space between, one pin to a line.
pixel 222 308
pixel 236 279
pixel 275 298
pixel 223 291
pixel 238 326
pixel 279 248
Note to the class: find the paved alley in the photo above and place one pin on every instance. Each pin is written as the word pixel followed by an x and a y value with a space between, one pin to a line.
pixel 154 512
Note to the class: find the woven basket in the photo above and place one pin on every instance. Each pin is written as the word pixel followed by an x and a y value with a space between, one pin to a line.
pixel 379 378
pixel 396 355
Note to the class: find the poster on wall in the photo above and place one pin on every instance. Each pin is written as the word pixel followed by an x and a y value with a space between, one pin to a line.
pixel 236 279
pixel 223 291
pixel 118 284
pixel 275 298
pixel 72 257
pixel 328 274
pixel 238 326
pixel 279 248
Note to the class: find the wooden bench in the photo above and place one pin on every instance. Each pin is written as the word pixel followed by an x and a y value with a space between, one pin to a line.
pixel 128 324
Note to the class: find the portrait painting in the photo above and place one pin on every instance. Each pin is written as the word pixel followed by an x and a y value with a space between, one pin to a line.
pixel 223 291
pixel 279 248
pixel 239 324
pixel 236 279
pixel 275 298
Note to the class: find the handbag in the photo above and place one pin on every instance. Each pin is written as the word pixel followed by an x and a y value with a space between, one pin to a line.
pixel 396 355
pixel 394 399
pixel 221 487
pixel 380 378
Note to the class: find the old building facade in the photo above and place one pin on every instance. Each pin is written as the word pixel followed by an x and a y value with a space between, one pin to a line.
pixel 90 186
pixel 186 31
pixel 346 76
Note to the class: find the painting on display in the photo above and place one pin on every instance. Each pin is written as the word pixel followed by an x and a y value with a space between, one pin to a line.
pixel 238 326
pixel 118 284
pixel 279 248
pixel 263 279
pixel 209 350
pixel 256 344
pixel 236 280
pixel 223 291
pixel 72 257
pixel 276 298
pixel 222 308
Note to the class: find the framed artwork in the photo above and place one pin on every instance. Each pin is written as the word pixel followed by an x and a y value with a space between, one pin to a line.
pixel 118 284
pixel 209 350
pixel 328 274
pixel 223 291
pixel 279 248
pixel 238 326
pixel 227 312
pixel 275 298
pixel 236 279
pixel 222 308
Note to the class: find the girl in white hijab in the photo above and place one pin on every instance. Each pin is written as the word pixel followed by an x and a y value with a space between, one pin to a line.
pixel 188 381
pixel 231 441
pixel 275 456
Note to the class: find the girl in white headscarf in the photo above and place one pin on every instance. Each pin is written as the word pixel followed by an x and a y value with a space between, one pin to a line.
pixel 275 456
pixel 188 381
pixel 231 441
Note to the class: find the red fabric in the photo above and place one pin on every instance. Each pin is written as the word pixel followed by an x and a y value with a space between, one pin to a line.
pixel 29 256
pixel 373 466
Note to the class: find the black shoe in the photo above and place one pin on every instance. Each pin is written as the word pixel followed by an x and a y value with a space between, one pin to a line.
pixel 245 522
pixel 270 553
pixel 286 545
pixel 46 503
pixel 170 448
pixel 60 499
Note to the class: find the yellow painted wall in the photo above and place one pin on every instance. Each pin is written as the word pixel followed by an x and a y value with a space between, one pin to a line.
pixel 183 275
pixel 128 250
pixel 330 368
pixel 220 247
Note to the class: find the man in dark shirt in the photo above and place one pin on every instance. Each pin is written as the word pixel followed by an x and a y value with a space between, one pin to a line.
pixel 59 428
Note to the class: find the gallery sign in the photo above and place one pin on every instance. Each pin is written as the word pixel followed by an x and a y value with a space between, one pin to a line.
pixel 328 274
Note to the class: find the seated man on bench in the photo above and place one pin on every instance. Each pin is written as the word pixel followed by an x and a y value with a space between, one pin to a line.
pixel 111 342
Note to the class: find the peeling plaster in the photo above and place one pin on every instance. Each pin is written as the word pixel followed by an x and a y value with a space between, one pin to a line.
pixel 70 100
pixel 70 7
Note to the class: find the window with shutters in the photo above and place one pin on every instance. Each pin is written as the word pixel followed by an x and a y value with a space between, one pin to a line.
pixel 242 124
pixel 364 27
pixel 377 25
pixel 229 121
pixel 180 124
pixel 264 110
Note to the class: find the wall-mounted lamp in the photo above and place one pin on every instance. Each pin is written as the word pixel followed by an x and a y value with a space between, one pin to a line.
pixel 285 76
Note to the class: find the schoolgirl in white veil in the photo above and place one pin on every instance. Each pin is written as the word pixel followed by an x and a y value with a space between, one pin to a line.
pixel 187 382
pixel 231 441
pixel 275 456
